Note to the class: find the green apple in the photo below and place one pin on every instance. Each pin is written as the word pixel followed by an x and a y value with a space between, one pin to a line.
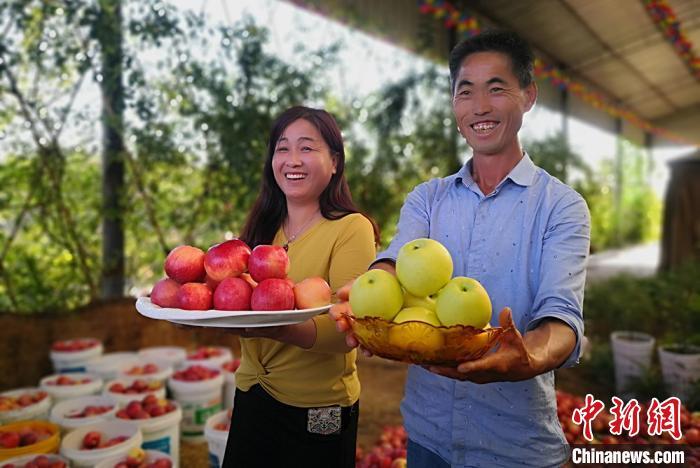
pixel 463 301
pixel 409 300
pixel 423 266
pixel 376 293
pixel 418 314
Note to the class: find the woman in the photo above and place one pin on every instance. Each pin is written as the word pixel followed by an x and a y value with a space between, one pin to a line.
pixel 297 393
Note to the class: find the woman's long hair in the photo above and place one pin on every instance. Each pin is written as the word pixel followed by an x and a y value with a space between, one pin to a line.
pixel 270 209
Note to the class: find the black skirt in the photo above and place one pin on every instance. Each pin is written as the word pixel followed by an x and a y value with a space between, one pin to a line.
pixel 265 432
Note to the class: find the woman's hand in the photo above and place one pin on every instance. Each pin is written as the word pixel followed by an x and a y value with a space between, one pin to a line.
pixel 341 313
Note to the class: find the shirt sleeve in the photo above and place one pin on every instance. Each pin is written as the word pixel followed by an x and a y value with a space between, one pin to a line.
pixel 352 254
pixel 563 269
pixel 414 222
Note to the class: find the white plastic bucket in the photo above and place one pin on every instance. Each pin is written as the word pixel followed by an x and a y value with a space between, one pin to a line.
pixel 174 355
pixel 66 392
pixel 164 371
pixel 632 352
pixel 123 399
pixel 198 400
pixel 38 410
pixel 161 433
pixel 60 413
pixel 680 370
pixel 75 361
pixel 229 388
pixel 151 456
pixel 107 366
pixel 70 446
pixel 216 439
pixel 22 460
pixel 213 362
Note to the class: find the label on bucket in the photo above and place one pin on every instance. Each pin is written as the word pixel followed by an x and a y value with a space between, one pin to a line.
pixel 214 461
pixel 195 415
pixel 161 445
pixel 71 369
pixel 202 414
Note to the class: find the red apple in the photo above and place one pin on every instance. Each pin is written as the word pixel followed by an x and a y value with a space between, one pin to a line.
pixel 164 293
pixel 273 294
pixel 185 264
pixel 91 440
pixel 233 294
pixel 9 440
pixel 311 293
pixel 268 261
pixel 213 284
pixel 194 296
pixel 226 260
pixel 74 345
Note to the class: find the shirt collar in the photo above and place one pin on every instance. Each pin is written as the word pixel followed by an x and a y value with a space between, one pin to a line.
pixel 522 174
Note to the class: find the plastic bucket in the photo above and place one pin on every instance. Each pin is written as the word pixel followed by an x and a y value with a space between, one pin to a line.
pixel 216 438
pixel 108 365
pixel 173 355
pixel 123 399
pixel 165 370
pixel 38 410
pixel 198 400
pixel 48 445
pixel 680 370
pixel 229 388
pixel 66 392
pixel 632 352
pixel 70 447
pixel 60 413
pixel 214 362
pixel 151 456
pixel 21 461
pixel 75 361
pixel 161 433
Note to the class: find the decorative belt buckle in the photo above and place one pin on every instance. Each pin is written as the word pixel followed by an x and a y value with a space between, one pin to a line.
pixel 324 421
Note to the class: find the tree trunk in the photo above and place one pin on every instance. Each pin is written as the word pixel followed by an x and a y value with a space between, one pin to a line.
pixel 109 34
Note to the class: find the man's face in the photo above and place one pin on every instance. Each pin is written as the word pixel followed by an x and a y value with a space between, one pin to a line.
pixel 489 104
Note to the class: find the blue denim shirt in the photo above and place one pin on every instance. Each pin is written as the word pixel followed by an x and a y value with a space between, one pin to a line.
pixel 527 243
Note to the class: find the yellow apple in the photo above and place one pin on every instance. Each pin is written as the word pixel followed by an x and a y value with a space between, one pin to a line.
pixel 419 314
pixel 463 301
pixel 376 293
pixel 409 300
pixel 423 266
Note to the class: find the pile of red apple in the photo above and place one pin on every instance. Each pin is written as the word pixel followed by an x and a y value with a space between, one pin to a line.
pixel 566 403
pixel 231 276
pixel 195 374
pixel 388 452
pixel 88 412
pixel 205 352
pixel 42 461
pixel 149 368
pixel 137 459
pixel 22 437
pixel 135 387
pixel 10 403
pixel 226 425
pixel 231 366
pixel 96 440
pixel 149 407
pixel 80 344
pixel 64 380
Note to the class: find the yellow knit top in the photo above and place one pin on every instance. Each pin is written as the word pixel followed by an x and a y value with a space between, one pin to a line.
pixel 324 375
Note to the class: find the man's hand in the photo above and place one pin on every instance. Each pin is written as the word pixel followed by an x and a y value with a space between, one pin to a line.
pixel 544 348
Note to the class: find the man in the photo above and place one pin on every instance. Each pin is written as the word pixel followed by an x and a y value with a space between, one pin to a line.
pixel 525 236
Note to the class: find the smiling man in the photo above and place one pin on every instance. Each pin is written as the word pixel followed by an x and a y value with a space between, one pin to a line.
pixel 525 236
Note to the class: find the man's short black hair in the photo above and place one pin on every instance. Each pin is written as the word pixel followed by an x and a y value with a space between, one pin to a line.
pixel 506 42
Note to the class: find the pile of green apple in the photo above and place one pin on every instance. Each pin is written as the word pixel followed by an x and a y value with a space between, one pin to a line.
pixel 423 290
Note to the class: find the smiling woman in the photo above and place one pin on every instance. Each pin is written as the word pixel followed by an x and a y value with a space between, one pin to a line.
pixel 302 376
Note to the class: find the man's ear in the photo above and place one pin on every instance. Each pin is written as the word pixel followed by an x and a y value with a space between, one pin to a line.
pixel 530 92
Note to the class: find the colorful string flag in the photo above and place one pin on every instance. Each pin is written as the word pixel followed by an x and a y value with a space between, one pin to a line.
pixel 467 26
pixel 666 20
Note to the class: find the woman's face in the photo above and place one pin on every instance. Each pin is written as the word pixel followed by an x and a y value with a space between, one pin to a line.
pixel 302 162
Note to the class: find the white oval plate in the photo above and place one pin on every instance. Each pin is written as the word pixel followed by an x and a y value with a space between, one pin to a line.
pixel 226 318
